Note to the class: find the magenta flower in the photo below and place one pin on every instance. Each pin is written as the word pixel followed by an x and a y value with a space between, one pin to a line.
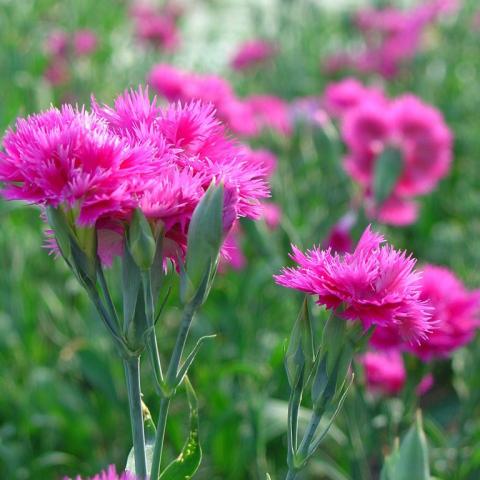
pixel 270 112
pixel 456 313
pixel 110 474
pixel 343 96
pixel 423 138
pixel 56 44
pixel 375 284
pixel 84 42
pixel 101 165
pixel 253 53
pixel 384 371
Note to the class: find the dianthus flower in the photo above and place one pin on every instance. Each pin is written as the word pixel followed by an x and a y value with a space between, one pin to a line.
pixel 84 42
pixel 375 284
pixel 252 53
pixel 456 313
pixel 110 474
pixel 270 112
pixel 384 371
pixel 101 165
pixel 417 130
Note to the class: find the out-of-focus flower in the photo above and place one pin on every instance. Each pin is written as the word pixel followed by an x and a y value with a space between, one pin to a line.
pixel 426 383
pixel 101 165
pixel 157 27
pixel 84 42
pixel 232 254
pixel 270 113
pixel 110 474
pixel 272 215
pixel 375 284
pixel 456 313
pixel 310 110
pixel 253 53
pixel 418 131
pixel 56 44
pixel 341 97
pixel 339 239
pixel 384 371
pixel 57 72
pixel 246 116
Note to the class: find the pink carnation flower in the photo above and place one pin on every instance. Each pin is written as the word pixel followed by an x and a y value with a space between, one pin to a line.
pixel 110 474
pixel 84 42
pixel 375 284
pixel 384 371
pixel 270 112
pixel 101 165
pixel 422 136
pixel 341 97
pixel 456 313
pixel 56 44
pixel 253 53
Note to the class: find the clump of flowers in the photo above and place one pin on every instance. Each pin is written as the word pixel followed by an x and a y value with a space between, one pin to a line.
pixel 253 53
pixel 375 284
pixel 392 37
pixel 62 49
pixel 109 474
pixel 371 124
pixel 244 116
pixel 384 371
pixel 157 27
pixel 456 313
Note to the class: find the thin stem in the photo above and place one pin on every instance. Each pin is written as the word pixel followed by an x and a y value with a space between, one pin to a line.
pixel 132 374
pixel 310 433
pixel 291 475
pixel 152 345
pixel 159 438
pixel 292 432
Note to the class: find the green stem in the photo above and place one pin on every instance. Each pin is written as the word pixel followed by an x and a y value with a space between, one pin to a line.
pixel 159 438
pixel 132 374
pixel 171 378
pixel 310 433
pixel 291 475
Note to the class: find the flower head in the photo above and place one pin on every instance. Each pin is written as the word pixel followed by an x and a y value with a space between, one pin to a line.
pixel 84 42
pixel 252 53
pixel 456 313
pixel 384 371
pixel 110 474
pixel 375 284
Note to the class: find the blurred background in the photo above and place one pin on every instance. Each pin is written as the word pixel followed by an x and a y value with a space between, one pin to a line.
pixel 63 406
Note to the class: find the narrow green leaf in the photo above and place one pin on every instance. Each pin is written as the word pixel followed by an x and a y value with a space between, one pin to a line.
pixel 388 168
pixel 187 463
pixel 141 241
pixel 131 281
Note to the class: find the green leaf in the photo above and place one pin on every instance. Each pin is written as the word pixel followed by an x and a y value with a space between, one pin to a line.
pixel 187 463
pixel 410 461
pixel 131 281
pixel 205 235
pixel 388 168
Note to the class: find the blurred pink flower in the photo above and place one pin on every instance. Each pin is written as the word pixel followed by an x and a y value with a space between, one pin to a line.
pixel 157 27
pixel 272 215
pixel 110 474
pixel 339 239
pixel 456 313
pixel 56 44
pixel 84 42
pixel 426 383
pixel 253 53
pixel 375 284
pixel 341 97
pixel 418 130
pixel 384 371
pixel 270 113
pixel 232 255
pixel 57 72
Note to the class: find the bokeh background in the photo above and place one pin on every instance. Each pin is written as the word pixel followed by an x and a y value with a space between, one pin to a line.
pixel 63 406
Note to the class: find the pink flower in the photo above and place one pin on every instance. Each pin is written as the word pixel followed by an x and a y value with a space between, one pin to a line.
pixel 418 131
pixel 57 72
pixel 384 371
pixel 272 215
pixel 56 44
pixel 84 42
pixel 158 28
pixel 232 254
pixel 375 284
pixel 341 97
pixel 253 53
pixel 270 112
pixel 101 165
pixel 110 474
pixel 339 239
pixel 426 383
pixel 456 313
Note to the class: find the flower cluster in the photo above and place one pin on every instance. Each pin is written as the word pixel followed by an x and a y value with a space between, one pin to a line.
pixel 158 28
pixel 110 474
pixel 391 37
pixel 61 47
pixel 247 116
pixel 100 165
pixel 253 53
pixel 375 284
pixel 456 313
pixel 370 123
